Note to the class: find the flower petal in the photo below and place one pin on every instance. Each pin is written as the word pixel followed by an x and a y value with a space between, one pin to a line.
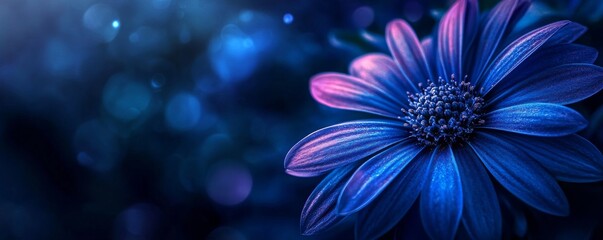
pixel 564 84
pixel 456 31
pixel 381 71
pixel 341 144
pixel 481 210
pixel 319 211
pixel 543 60
pixel 519 50
pixel 351 93
pixel 569 158
pixel 442 196
pixel 374 175
pixel 430 52
pixel 499 22
pixel 537 119
pixel 390 206
pixel 520 174
pixel 406 49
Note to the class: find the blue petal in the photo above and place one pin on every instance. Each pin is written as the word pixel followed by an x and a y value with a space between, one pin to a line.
pixel 386 210
pixel 351 93
pixel 428 47
pixel 498 23
pixel 455 33
pixel 543 60
pixel 481 210
pixel 406 49
pixel 519 50
pixel 520 174
pixel 319 211
pixel 374 175
pixel 442 196
pixel 537 119
pixel 341 144
pixel 564 84
pixel 570 158
pixel 383 73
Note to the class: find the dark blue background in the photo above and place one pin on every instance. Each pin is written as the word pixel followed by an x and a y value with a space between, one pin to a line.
pixel 155 119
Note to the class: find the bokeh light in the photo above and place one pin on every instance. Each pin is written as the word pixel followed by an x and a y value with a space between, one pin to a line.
pixel 228 183
pixel 103 21
pixel 288 18
pixel 183 112
pixel 125 96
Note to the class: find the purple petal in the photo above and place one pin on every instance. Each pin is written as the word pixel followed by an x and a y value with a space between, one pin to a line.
pixel 570 158
pixel 498 23
pixel 519 50
pixel 406 49
pixel 319 211
pixel 520 174
pixel 386 210
pixel 382 72
pixel 374 175
pixel 481 210
pixel 536 119
pixel 456 31
pixel 341 144
pixel 442 196
pixel 351 93
pixel 564 84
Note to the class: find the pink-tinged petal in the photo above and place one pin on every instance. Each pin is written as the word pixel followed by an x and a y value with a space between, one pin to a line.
pixel 406 49
pixel 381 71
pixel 352 93
pixel 518 51
pixel 372 177
pixel 498 24
pixel 456 31
pixel 341 144
pixel 319 211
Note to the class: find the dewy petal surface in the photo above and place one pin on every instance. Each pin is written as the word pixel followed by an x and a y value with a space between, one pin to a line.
pixel 536 119
pixel 564 84
pixel 406 49
pixel 372 177
pixel 520 174
pixel 499 22
pixel 319 211
pixel 341 144
pixel 456 31
pixel 569 158
pixel 481 209
pixel 519 50
pixel 382 72
pixel 442 196
pixel 352 93
pixel 392 204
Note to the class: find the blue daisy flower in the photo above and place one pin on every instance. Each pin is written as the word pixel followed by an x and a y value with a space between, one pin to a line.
pixel 466 106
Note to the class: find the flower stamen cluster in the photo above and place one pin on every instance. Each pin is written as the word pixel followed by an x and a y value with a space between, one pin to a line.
pixel 444 112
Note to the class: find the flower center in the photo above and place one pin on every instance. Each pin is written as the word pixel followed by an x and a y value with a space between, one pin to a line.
pixel 444 112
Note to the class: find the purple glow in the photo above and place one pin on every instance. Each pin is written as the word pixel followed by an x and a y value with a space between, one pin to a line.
pixel 229 184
